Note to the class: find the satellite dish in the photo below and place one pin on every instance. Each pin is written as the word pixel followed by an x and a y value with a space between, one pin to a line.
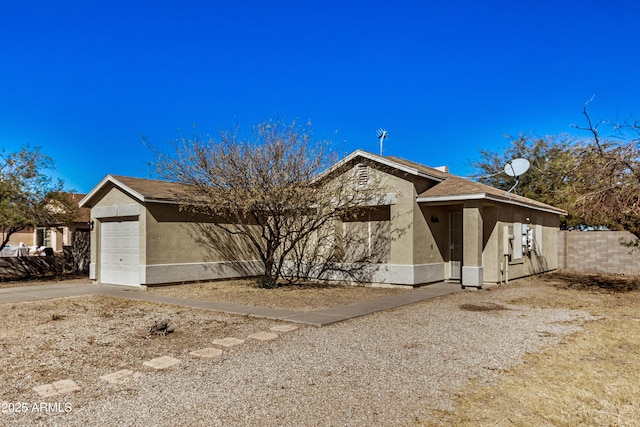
pixel 516 167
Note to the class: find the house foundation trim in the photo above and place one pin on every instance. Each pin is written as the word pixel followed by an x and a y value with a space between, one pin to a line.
pixel 189 272
pixel 392 274
pixel 472 276
pixel 416 274
pixel 92 270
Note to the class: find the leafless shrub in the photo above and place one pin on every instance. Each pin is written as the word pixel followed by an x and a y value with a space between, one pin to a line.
pixel 161 327
pixel 280 198
pixel 597 282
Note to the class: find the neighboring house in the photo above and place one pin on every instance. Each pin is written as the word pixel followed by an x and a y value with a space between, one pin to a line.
pixel 38 238
pixel 434 226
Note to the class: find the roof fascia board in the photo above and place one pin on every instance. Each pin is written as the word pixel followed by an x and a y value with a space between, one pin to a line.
pixel 115 182
pixel 480 196
pixel 93 191
pixel 165 201
pixel 399 166
pixel 128 189
pixel 456 198
pixel 528 205
pixel 381 160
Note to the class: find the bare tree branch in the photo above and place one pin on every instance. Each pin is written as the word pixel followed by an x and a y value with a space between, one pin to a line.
pixel 264 192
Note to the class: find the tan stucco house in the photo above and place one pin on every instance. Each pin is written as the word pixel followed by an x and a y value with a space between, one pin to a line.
pixel 452 229
pixel 56 238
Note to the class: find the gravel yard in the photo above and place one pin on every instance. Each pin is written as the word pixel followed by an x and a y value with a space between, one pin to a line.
pixel 305 298
pixel 397 367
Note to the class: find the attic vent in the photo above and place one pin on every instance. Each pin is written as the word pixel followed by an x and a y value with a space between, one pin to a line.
pixel 362 176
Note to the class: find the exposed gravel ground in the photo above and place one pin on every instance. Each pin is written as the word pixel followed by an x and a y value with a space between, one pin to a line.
pixel 305 298
pixel 45 281
pixel 385 369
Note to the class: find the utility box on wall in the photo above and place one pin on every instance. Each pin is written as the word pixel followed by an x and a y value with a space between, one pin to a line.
pixel 507 237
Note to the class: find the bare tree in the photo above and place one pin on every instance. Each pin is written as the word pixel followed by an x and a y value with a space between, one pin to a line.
pixel 606 190
pixel 595 178
pixel 277 192
pixel 80 251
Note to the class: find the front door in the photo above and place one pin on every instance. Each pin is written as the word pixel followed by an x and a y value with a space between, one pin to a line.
pixel 455 245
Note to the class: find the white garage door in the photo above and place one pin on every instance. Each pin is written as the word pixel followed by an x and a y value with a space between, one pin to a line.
pixel 119 252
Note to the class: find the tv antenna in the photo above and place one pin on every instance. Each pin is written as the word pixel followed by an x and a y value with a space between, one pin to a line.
pixel 515 168
pixel 382 135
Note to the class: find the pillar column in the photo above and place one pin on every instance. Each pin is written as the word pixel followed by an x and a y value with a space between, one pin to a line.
pixel 472 269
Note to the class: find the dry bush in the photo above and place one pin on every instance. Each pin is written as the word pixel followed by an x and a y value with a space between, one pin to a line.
pixel 308 296
pixel 596 282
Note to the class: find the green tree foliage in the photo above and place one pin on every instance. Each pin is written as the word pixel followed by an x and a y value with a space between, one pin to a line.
pixel 596 179
pixel 28 196
pixel 553 163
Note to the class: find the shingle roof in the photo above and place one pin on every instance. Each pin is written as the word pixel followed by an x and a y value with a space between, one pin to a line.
pixel 420 167
pixel 448 187
pixel 84 214
pixel 403 165
pixel 457 188
pixel 152 189
pixel 144 190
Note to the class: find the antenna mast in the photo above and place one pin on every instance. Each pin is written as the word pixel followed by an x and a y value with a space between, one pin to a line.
pixel 382 135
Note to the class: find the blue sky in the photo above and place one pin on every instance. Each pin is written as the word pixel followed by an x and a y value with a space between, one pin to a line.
pixel 85 80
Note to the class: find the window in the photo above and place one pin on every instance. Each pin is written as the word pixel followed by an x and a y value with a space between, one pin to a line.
pixel 367 236
pixel 44 237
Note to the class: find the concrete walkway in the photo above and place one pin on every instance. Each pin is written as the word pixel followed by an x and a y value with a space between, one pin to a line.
pixel 316 318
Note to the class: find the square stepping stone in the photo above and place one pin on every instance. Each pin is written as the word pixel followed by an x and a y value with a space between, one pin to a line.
pixel 163 362
pixel 66 386
pixel 264 336
pixel 120 377
pixel 56 388
pixel 46 390
pixel 208 353
pixel 283 328
pixel 228 342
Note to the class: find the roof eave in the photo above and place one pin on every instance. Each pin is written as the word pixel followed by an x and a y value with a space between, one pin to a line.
pixel 115 182
pixel 486 196
pixel 381 160
pixel 165 201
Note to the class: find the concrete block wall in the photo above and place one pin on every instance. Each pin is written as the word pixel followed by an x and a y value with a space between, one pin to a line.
pixel 597 252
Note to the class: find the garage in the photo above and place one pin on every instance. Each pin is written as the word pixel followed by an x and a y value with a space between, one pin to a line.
pixel 120 252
